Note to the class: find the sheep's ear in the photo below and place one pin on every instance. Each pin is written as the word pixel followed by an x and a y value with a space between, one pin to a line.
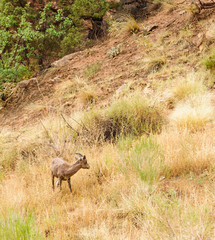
pixel 84 157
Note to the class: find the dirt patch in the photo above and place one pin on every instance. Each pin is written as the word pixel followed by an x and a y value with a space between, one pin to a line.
pixel 114 72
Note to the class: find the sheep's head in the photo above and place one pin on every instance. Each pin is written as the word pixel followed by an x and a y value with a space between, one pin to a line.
pixel 82 160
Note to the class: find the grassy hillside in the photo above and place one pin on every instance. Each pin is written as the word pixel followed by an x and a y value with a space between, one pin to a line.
pixel 140 105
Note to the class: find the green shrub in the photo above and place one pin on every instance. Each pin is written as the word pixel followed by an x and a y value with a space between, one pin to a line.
pixel 72 40
pixel 30 39
pixel 209 62
pixel 130 116
pixel 134 115
pixel 92 8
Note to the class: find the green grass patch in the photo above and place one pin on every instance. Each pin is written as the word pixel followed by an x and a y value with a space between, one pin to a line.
pixel 18 226
pixel 144 157
pixel 209 62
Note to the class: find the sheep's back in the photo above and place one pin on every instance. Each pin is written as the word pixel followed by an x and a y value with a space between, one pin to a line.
pixel 59 166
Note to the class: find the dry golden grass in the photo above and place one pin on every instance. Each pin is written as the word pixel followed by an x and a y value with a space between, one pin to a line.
pixel 87 96
pixel 69 88
pixel 188 153
pixel 140 187
pixel 192 85
pixel 131 25
pixel 113 208
pixel 112 200
pixel 143 185
pixel 125 24
pixel 194 114
pixel 155 64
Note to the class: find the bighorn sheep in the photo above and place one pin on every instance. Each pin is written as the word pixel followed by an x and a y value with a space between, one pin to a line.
pixel 63 170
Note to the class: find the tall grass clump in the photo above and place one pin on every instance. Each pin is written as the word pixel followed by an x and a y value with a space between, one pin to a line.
pixel 8 159
pixel 134 115
pixel 87 96
pixel 192 85
pixel 144 157
pixel 166 215
pixel 69 88
pixel 18 227
pixel 124 24
pixel 130 25
pixel 155 64
pixel 187 153
pixel 194 114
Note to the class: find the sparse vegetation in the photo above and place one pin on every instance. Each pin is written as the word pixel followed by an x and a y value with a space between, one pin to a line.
pixel 113 52
pixel 92 70
pixel 209 62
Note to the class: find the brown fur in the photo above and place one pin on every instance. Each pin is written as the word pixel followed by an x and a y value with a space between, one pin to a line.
pixel 63 170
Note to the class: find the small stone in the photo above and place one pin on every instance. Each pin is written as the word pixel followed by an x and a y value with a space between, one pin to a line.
pixel 182 12
pixel 210 34
pixel 63 61
pixel 150 28
pixel 25 83
pixel 198 40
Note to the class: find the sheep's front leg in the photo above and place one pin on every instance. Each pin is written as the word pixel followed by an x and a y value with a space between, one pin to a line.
pixel 69 183
pixel 53 182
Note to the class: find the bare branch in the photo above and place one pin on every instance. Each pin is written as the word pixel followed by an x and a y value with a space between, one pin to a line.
pixel 82 125
pixel 51 139
pixel 204 5
pixel 69 124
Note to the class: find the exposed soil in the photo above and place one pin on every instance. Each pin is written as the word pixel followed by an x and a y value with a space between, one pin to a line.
pixel 114 72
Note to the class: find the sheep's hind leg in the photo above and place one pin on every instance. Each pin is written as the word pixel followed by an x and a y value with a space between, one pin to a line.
pixel 60 182
pixel 69 183
pixel 53 182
